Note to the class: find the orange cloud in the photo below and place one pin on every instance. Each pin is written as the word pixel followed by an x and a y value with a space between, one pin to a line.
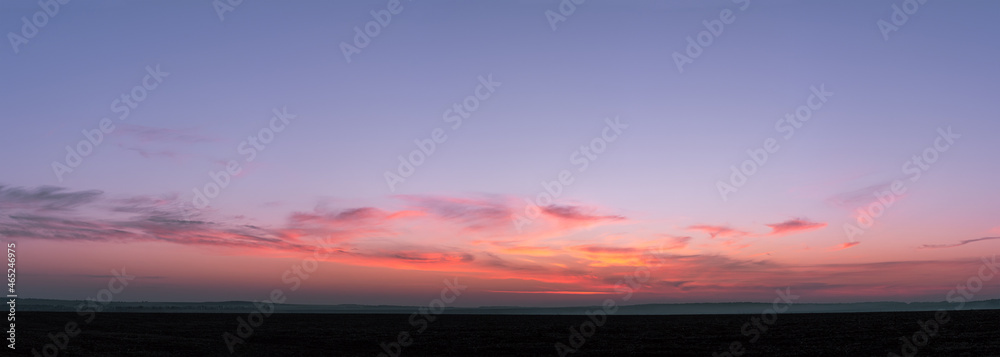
pixel 421 238
pixel 533 251
pixel 845 245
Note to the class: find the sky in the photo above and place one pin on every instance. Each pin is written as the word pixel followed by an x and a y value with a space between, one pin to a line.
pixel 539 153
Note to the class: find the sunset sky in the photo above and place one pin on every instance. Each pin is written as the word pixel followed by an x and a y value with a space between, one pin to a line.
pixel 597 101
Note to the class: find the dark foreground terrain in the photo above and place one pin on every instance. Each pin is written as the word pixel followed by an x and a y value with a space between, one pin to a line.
pixel 966 333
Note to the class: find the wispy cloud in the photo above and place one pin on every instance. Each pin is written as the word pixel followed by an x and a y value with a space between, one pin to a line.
pixel 46 198
pixel 475 214
pixel 845 245
pixel 674 242
pixel 859 197
pixel 577 213
pixel 416 238
pixel 718 231
pixel 150 154
pixel 794 225
pixel 148 134
pixel 960 243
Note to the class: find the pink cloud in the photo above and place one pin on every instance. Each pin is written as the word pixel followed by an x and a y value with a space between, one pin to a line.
pixel 606 249
pixel 473 214
pixel 576 213
pixel 674 242
pixel 718 231
pixel 845 245
pixel 420 238
pixel 793 226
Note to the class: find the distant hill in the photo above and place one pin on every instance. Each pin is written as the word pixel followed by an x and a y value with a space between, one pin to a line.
pixel 643 309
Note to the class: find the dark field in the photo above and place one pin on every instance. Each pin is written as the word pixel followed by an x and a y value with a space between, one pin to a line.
pixel 967 333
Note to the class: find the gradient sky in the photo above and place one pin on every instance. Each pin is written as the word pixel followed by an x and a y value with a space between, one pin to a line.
pixel 651 193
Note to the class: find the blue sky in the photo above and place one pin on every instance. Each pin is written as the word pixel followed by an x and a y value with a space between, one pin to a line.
pixel 558 88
